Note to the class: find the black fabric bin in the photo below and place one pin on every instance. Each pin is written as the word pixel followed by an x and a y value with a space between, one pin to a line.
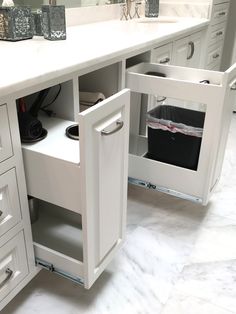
pixel 175 135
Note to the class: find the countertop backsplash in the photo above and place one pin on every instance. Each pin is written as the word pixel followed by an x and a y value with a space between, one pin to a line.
pixel 85 15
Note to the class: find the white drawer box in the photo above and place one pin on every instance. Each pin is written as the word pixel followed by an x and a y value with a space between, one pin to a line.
pixel 217 33
pixel 5 137
pixel 220 13
pixel 183 84
pixel 13 264
pixel 10 211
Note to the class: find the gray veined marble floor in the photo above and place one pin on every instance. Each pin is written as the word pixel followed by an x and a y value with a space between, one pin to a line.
pixel 178 258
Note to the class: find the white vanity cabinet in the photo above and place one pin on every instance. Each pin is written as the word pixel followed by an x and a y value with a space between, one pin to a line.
pixel 216 34
pixel 187 51
pixel 16 252
pixel 183 85
pixel 184 52
pixel 80 186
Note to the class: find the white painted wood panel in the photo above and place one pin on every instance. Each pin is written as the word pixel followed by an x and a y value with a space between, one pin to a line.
pixel 5 135
pixel 10 211
pixel 198 184
pixel 13 264
pixel 104 166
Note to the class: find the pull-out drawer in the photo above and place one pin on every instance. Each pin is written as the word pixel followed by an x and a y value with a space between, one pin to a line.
pixel 10 211
pixel 5 136
pixel 13 264
pixel 77 176
pixel 214 92
pixel 220 13
pixel 58 243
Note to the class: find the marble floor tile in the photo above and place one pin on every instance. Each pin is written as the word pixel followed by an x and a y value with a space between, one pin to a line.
pixel 181 304
pixel 214 283
pixel 139 280
pixel 215 244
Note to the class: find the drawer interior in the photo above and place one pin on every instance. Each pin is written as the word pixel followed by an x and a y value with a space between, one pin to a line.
pixel 57 236
pixel 58 229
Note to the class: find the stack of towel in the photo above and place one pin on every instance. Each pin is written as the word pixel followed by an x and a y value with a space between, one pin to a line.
pixel 88 99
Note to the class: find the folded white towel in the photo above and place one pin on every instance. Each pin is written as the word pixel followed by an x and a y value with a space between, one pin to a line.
pixel 7 3
pixel 89 98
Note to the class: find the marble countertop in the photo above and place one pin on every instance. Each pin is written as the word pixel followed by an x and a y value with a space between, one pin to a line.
pixel 31 62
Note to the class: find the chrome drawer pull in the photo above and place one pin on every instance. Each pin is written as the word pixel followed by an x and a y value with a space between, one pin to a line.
pixel 191 44
pixel 233 85
pixel 9 273
pixel 1 212
pixel 219 33
pixel 216 55
pixel 165 60
pixel 119 126
pixel 221 13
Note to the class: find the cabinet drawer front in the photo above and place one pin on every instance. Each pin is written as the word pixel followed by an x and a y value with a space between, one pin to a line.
pixel 5 137
pixel 220 13
pixel 217 33
pixel 13 264
pixel 162 55
pixel 10 211
pixel 214 54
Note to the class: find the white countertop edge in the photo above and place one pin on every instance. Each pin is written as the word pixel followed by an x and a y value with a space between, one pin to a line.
pixel 84 65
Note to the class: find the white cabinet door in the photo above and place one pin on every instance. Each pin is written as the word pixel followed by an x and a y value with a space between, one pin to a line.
pixel 13 266
pixel 185 84
pixel 87 177
pixel 104 133
pixel 181 52
pixel 195 46
pixel 187 51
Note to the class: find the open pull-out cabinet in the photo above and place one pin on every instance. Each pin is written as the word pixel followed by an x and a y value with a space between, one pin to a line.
pixel 211 90
pixel 81 187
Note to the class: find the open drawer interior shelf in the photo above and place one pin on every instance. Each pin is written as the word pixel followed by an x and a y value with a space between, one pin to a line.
pixel 58 229
pixel 56 178
pixel 58 245
pixel 56 144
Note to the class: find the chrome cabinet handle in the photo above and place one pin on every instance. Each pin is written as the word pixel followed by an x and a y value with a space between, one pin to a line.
pixel 118 127
pixel 9 273
pixel 233 85
pixel 219 33
pixel 221 13
pixel 1 212
pixel 191 44
pixel 165 60
pixel 216 55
